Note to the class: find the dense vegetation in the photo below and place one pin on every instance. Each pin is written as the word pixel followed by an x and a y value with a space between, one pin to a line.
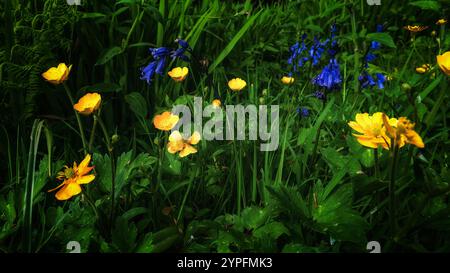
pixel 320 191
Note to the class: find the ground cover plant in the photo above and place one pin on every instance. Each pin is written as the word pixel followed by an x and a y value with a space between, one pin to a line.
pixel 91 156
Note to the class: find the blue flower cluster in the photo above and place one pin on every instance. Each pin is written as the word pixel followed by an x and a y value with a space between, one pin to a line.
pixel 330 78
pixel 303 112
pixel 365 79
pixel 160 56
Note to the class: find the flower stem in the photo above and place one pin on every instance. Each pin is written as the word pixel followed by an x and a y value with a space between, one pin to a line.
pixel 91 138
pixel 80 125
pixel 392 211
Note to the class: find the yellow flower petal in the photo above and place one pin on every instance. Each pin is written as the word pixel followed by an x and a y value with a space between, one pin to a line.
pixel 237 84
pixel 88 104
pixel 178 74
pixel 165 121
pixel 188 149
pixel 195 138
pixel 444 62
pixel 57 75
pixel 287 80
pixel 85 179
pixel 69 190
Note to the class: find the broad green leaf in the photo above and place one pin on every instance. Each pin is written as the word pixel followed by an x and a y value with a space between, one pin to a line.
pixel 427 5
pixel 137 104
pixel 383 38
pixel 108 54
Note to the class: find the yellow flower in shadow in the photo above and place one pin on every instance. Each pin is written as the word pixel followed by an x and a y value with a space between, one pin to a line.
pixel 237 84
pixel 178 74
pixel 165 121
pixel 72 179
pixel 216 103
pixel 88 104
pixel 402 132
pixel 287 80
pixel 57 75
pixel 184 147
pixel 423 68
pixel 444 62
pixel 441 22
pixel 415 29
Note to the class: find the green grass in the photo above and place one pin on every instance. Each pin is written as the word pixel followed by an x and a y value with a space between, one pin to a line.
pixel 319 186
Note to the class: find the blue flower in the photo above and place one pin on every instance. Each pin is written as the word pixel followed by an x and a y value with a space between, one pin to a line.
pixel 303 112
pixel 380 80
pixel 160 56
pixel 330 77
pixel 366 80
pixel 183 44
pixel 320 95
pixel 148 71
pixel 160 52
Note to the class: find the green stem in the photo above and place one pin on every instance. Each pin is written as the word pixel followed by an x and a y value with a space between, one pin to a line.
pixel 377 168
pixel 80 125
pixel 392 211
pixel 91 138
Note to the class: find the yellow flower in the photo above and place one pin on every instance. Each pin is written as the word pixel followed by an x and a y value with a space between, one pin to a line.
pixel 216 103
pixel 237 84
pixel 57 75
pixel 88 104
pixel 184 147
pixel 441 22
pixel 72 179
pixel 165 121
pixel 178 74
pixel 444 62
pixel 287 80
pixel 370 129
pixel 423 68
pixel 415 28
pixel 402 132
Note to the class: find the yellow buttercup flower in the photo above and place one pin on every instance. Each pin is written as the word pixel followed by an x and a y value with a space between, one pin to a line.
pixel 88 104
pixel 287 80
pixel 72 179
pixel 423 68
pixel 441 22
pixel 184 147
pixel 237 84
pixel 216 103
pixel 57 75
pixel 370 129
pixel 415 29
pixel 165 121
pixel 444 62
pixel 402 132
pixel 178 74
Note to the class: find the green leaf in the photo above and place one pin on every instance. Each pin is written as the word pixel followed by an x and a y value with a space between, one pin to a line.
pixel 383 38
pixel 137 104
pixel 108 54
pixel 427 5
pixel 233 42
pixel 104 87
pixel 254 217
pixel 334 216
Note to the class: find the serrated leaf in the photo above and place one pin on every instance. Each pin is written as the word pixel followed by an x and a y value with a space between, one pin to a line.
pixel 108 54
pixel 137 104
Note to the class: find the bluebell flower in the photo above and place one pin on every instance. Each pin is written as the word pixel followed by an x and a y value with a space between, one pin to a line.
pixel 183 44
pixel 330 77
pixel 303 112
pixel 366 80
pixel 320 95
pixel 148 71
pixel 380 80
pixel 160 56
pixel 160 52
pixel 316 50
